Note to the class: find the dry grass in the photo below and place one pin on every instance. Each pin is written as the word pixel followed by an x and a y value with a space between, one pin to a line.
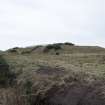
pixel 80 65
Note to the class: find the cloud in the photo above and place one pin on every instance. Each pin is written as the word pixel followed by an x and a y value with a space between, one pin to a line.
pixel 27 22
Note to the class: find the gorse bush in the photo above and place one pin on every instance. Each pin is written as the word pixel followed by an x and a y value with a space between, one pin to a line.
pixel 56 46
pixel 68 43
pixel 13 51
pixel 52 46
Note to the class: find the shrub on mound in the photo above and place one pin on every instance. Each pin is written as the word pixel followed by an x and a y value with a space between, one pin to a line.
pixel 13 51
pixel 68 43
pixel 52 46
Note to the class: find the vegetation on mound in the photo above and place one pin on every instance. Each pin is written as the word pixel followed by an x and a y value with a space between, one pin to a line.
pixel 13 51
pixel 52 47
pixel 56 46
pixel 68 43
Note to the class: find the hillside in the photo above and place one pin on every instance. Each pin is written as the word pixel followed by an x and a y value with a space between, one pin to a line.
pixel 54 74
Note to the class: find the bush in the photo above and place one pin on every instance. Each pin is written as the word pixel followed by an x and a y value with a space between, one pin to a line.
pixel 6 76
pixel 56 46
pixel 13 51
pixel 15 48
pixel 53 46
pixel 70 44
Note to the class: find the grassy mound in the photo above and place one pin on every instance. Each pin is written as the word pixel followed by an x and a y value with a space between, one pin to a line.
pixel 75 77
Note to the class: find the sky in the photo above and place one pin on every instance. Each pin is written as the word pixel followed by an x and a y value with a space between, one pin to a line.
pixel 31 22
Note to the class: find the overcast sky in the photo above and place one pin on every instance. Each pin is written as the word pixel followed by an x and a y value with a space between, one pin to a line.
pixel 31 22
